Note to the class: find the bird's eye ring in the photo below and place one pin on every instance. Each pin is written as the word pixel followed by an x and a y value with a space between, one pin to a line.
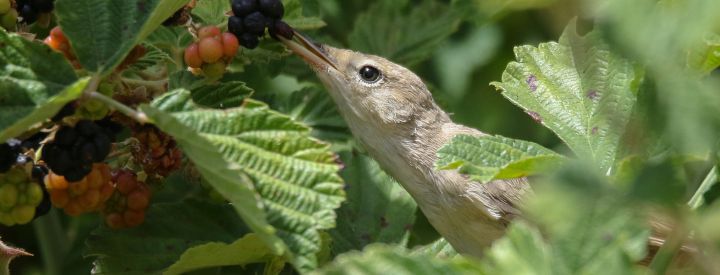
pixel 369 74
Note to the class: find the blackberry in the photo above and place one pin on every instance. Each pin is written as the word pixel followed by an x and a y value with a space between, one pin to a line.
pixel 235 25
pixel 244 7
pixel 9 152
pixel 255 23
pixel 252 17
pixel 30 9
pixel 272 8
pixel 75 149
pixel 249 40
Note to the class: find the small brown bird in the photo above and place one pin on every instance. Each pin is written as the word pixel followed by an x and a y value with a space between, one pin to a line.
pixel 393 115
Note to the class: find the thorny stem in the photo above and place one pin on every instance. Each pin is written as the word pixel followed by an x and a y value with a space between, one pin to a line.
pixel 697 198
pixel 130 112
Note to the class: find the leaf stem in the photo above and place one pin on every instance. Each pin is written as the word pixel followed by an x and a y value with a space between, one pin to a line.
pixel 697 198
pixel 135 114
pixel 52 241
pixel 663 258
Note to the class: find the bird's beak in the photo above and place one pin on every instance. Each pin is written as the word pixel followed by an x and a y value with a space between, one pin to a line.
pixel 311 52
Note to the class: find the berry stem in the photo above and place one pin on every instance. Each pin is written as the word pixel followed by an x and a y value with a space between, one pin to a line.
pixel 155 85
pixel 54 244
pixel 130 112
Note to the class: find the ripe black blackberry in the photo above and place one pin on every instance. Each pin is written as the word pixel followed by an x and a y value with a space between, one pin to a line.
pixel 252 17
pixel 30 9
pixel 9 152
pixel 74 150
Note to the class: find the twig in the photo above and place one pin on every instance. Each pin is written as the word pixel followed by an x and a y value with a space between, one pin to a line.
pixel 130 112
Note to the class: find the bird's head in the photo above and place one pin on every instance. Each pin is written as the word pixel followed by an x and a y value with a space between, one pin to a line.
pixel 369 89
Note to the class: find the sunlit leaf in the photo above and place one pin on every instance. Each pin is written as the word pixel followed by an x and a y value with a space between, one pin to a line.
pixel 380 259
pixel 103 32
pixel 246 250
pixel 296 176
pixel 578 88
pixel 485 158
pixel 378 209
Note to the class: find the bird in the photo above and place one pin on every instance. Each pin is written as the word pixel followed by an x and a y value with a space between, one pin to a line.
pixel 392 114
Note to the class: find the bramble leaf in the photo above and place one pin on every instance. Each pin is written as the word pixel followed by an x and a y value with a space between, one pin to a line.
pixel 160 241
pixel 383 259
pixel 102 32
pixel 246 250
pixel 378 209
pixel 412 37
pixel 486 158
pixel 296 175
pixel 577 88
pixel 35 82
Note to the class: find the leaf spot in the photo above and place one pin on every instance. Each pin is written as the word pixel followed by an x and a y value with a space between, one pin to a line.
pixel 532 82
pixel 593 94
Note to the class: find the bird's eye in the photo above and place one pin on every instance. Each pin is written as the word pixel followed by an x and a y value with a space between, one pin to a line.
pixel 369 74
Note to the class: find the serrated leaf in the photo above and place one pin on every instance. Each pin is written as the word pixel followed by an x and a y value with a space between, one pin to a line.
pixel 222 95
pixel 153 56
pixel 440 248
pixel 184 79
pixel 35 82
pixel 168 231
pixel 212 12
pixel 296 176
pixel 577 88
pixel 521 251
pixel 378 209
pixel 706 57
pixel 486 158
pixel 412 37
pixel 24 115
pixel 102 32
pixel 382 259
pixel 315 109
pixel 246 250
pixel 223 176
pixel 295 17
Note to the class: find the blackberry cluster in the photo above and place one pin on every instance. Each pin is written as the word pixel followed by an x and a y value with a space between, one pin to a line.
pixel 212 52
pixel 74 149
pixel 19 196
pixel 127 206
pixel 252 17
pixel 31 9
pixel 9 153
pixel 8 15
pixel 86 195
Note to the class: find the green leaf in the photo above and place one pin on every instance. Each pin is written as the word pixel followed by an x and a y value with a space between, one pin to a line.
pixel 153 56
pixel 378 209
pixel 412 38
pixel 212 12
pixel 296 176
pixel 482 10
pixel 102 32
pixel 295 17
pixel 440 248
pixel 248 249
pixel 486 158
pixel 222 95
pixel 35 82
pixel 222 175
pixel 382 259
pixel 168 231
pixel 706 57
pixel 313 107
pixel 577 88
pixel 20 116
pixel 521 251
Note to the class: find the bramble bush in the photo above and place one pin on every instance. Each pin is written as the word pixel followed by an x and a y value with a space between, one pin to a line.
pixel 177 136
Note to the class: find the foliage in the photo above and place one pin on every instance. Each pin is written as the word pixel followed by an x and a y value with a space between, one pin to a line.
pixel 612 115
